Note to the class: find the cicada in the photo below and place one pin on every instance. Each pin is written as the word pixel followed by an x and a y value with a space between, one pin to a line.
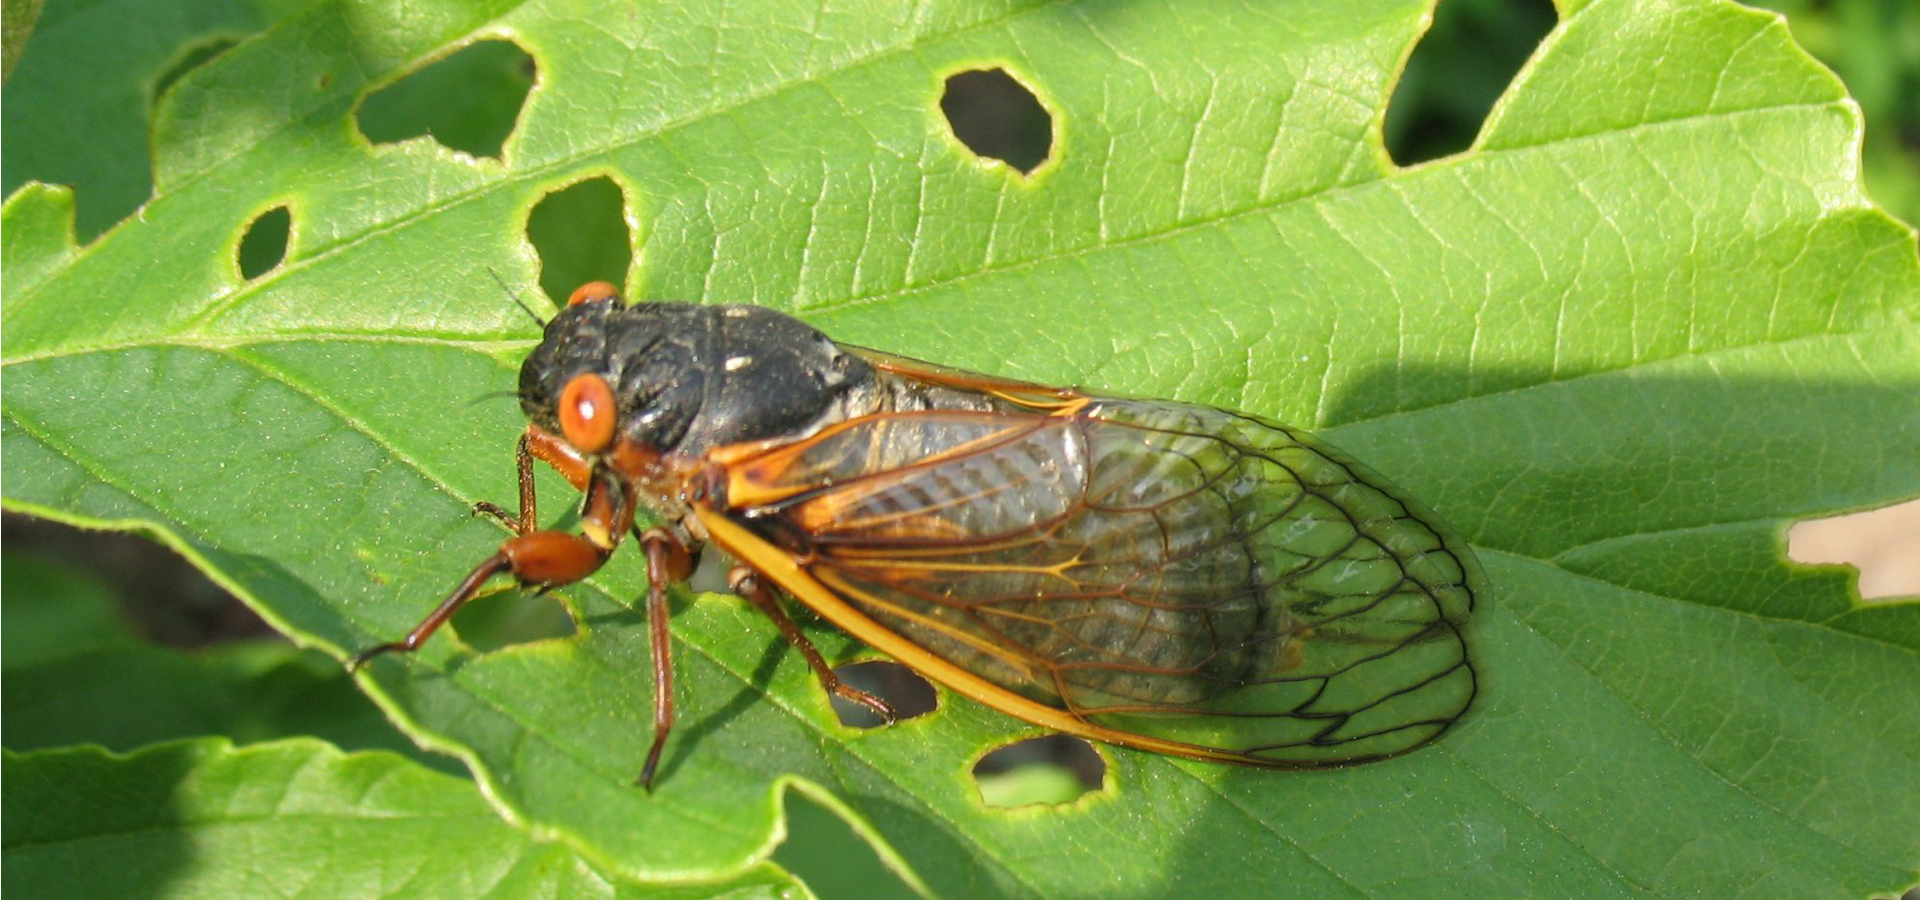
pixel 1154 574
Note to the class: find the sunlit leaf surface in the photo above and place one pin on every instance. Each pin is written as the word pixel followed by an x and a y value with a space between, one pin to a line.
pixel 1646 322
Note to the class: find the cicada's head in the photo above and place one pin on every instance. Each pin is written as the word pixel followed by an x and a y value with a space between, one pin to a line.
pixel 680 379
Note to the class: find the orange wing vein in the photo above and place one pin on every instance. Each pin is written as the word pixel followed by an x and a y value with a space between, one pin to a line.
pixel 1160 575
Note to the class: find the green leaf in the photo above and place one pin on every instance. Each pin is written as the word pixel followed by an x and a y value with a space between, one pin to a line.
pixel 76 674
pixel 16 24
pixel 202 819
pixel 91 131
pixel 1645 323
pixel 1874 46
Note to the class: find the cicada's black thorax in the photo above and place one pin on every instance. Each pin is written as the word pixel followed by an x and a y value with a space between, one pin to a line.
pixel 688 378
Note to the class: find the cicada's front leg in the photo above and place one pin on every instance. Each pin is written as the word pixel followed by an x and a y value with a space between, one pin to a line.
pixel 537 443
pixel 542 559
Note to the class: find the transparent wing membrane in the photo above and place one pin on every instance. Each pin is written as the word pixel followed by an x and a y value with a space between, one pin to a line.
pixel 1175 577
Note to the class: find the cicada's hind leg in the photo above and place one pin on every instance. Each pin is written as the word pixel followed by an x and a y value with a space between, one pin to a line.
pixel 745 582
pixel 545 559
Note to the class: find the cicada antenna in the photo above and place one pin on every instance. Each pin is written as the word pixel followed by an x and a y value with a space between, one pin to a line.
pixel 491 395
pixel 515 297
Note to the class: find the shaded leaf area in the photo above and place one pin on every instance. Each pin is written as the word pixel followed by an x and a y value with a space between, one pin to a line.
pixel 91 132
pixel 294 818
pixel 1645 324
pixel 16 23
pixel 75 673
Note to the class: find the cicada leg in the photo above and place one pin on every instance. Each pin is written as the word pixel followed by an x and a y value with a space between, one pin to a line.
pixel 745 582
pixel 668 561
pixel 543 559
pixel 537 443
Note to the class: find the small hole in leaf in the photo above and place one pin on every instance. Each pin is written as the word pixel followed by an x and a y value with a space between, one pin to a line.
pixel 996 116
pixel 901 688
pixel 1882 544
pixel 507 617
pixel 1459 68
pixel 468 101
pixel 195 57
pixel 1055 769
pixel 265 243
pixel 581 236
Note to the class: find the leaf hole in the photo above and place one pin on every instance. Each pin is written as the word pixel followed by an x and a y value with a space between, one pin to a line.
pixel 580 233
pixel 468 101
pixel 503 618
pixel 193 58
pixel 902 688
pixel 1049 770
pixel 264 246
pixel 997 117
pixel 1457 71
pixel 1882 545
pixel 832 858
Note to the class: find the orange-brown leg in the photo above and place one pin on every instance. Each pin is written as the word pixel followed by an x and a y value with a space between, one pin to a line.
pixel 547 559
pixel 745 582
pixel 668 561
pixel 577 469
pixel 524 521
pixel 494 565
pixel 538 444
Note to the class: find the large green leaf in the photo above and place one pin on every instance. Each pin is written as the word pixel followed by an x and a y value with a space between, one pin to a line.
pixel 1645 323
pixel 294 818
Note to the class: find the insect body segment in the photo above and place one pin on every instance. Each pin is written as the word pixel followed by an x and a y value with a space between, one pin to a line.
pixel 1160 575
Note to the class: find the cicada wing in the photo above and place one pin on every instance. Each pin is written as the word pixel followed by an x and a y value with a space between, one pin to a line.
pixel 1156 574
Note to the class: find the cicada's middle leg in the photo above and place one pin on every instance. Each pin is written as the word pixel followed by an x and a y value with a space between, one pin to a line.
pixel 543 559
pixel 748 583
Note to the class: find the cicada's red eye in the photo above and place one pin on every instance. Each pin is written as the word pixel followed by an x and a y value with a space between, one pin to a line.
pixel 587 413
pixel 593 292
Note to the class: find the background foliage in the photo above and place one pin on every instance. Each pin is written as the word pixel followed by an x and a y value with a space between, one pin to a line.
pixel 1644 322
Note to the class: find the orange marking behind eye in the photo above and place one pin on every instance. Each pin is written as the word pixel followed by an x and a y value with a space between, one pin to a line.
pixel 593 292
pixel 587 413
